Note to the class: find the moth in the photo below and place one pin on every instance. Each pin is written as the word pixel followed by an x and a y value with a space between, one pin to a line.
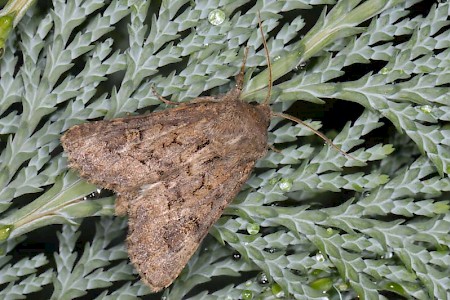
pixel 174 171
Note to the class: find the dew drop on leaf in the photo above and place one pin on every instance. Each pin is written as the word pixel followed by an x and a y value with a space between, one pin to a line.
pixel 426 109
pixel 262 278
pixel 301 66
pixel 236 256
pixel 247 295
pixel 5 231
pixel 253 228
pixel 216 17
pixel 285 185
pixel 343 287
pixel 320 257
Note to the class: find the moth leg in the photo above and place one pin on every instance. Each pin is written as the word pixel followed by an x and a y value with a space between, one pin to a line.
pixel 162 99
pixel 272 147
pixel 240 76
pixel 235 93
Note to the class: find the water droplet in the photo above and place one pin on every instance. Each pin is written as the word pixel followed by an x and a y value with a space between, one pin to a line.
pixel 300 66
pixel 236 256
pixel 285 184
pixel 343 287
pixel 93 195
pixel 247 295
pixel 385 71
pixel 320 257
pixel 216 17
pixel 366 194
pixel 253 228
pixel 5 231
pixel 262 278
pixel 277 291
pixel 276 58
pixel 248 283
pixel 316 272
pixel 330 231
pixel 272 250
pixel 426 109
pixel 388 255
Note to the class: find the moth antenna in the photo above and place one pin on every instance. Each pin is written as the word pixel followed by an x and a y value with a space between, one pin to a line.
pixel 240 76
pixel 269 64
pixel 318 133
pixel 285 116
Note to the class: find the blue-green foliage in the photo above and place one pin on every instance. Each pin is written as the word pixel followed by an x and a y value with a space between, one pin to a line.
pixel 310 223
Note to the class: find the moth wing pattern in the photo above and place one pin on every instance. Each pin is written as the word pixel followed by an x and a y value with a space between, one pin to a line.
pixel 170 218
pixel 113 153
pixel 125 153
pixel 175 172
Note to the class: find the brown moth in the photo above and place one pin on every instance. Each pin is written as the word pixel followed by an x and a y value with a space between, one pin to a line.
pixel 174 171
